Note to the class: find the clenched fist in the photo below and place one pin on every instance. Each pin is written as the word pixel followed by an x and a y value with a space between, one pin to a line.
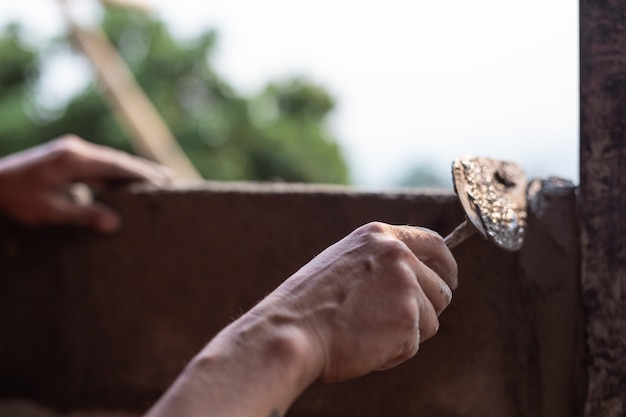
pixel 369 300
pixel 363 304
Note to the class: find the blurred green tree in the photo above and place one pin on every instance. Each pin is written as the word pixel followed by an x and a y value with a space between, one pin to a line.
pixel 424 175
pixel 279 134
pixel 18 72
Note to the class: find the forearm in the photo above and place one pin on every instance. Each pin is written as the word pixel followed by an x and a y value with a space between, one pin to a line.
pixel 255 367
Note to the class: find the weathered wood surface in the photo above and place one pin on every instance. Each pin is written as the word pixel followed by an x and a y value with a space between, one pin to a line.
pixel 92 323
pixel 603 201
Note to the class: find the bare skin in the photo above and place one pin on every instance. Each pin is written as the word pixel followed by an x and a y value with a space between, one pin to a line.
pixel 364 304
pixel 35 184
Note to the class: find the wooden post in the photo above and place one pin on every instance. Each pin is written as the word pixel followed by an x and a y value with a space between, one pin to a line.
pixel 603 201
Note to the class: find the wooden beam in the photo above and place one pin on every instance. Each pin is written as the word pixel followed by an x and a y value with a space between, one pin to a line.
pixel 149 134
pixel 603 201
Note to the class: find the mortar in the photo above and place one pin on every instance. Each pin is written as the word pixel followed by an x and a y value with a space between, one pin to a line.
pixel 493 196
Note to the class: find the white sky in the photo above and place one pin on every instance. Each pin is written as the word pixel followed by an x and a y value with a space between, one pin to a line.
pixel 416 81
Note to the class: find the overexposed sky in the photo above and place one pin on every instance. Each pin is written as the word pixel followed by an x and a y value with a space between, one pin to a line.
pixel 415 81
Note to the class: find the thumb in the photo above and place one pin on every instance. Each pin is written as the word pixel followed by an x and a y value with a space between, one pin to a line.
pixel 95 216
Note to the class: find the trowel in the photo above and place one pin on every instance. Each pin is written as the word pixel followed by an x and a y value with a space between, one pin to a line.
pixel 493 196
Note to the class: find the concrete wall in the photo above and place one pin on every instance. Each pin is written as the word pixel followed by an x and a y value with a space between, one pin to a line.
pixel 106 323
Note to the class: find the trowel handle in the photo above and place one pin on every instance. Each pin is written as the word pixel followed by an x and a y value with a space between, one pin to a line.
pixel 460 234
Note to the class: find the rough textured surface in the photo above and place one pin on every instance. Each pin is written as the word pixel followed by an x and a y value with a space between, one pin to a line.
pixel 603 201
pixel 95 323
pixel 493 195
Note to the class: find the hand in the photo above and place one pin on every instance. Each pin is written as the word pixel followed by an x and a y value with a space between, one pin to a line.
pixel 35 184
pixel 367 302
pixel 363 304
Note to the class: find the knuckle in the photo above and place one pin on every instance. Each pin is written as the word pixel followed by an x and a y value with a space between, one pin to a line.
pixel 453 274
pixel 66 150
pixel 432 239
pixel 411 347
pixel 408 351
pixel 407 316
pixel 446 296
pixel 434 328
pixel 376 236
pixel 395 251
pixel 429 329
pixel 372 229
pixel 448 273
pixel 68 142
pixel 402 280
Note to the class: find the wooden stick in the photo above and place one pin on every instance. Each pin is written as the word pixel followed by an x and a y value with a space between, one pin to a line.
pixel 150 136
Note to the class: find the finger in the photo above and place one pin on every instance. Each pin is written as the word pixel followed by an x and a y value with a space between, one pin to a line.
pixel 435 289
pixel 411 336
pixel 101 163
pixel 430 248
pixel 428 321
pixel 95 216
pixel 427 326
pixel 407 352
pixel 86 161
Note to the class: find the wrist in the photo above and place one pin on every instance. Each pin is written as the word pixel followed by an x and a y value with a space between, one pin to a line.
pixel 277 340
pixel 266 355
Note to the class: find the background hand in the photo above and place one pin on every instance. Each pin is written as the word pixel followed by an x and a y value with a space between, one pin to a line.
pixel 35 184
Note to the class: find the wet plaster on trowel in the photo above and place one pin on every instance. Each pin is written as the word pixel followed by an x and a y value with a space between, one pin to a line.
pixel 495 193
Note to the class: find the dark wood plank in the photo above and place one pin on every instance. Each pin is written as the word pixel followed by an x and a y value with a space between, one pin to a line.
pixel 603 201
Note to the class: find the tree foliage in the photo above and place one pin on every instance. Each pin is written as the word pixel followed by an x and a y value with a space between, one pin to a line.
pixel 424 175
pixel 281 133
pixel 18 69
